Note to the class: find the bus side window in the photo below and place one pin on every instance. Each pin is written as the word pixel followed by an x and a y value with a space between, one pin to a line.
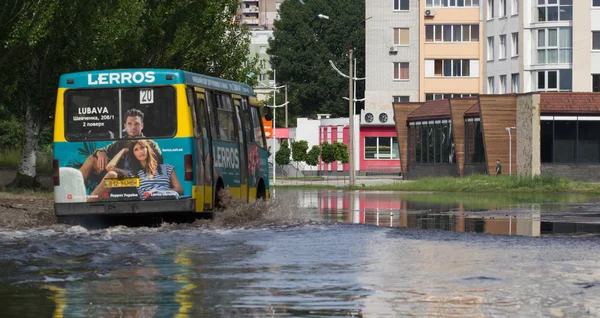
pixel 258 128
pixel 247 121
pixel 225 118
pixel 211 100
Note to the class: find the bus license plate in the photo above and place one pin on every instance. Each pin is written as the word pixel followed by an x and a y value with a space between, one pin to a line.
pixel 122 183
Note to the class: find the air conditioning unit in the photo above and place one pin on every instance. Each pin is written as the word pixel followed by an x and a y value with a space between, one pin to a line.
pixel 377 118
pixel 429 13
pixel 393 49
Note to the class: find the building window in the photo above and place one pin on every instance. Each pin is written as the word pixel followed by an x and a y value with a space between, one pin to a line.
pixel 555 80
pixel 451 3
pixel 502 88
pixel 554 45
pixel 401 36
pixel 451 33
pixel 515 7
pixel 503 8
pixel 490 85
pixel 514 82
pixel 473 141
pixel 438 96
pixel 401 5
pixel 570 140
pixel 430 142
pixel 401 71
pixel 502 52
pixel 596 3
pixel 381 148
pixel 490 9
pixel 490 48
pixel 451 68
pixel 555 10
pixel 596 81
pixel 400 99
pixel 515 44
pixel 596 39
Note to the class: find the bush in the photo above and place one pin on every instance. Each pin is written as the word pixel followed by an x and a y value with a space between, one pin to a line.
pixel 11 134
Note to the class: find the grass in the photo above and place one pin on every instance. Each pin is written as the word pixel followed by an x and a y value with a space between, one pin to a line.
pixel 10 159
pixel 492 184
pixel 304 186
pixel 493 200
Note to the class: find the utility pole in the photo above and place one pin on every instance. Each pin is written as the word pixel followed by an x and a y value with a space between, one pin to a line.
pixel 351 114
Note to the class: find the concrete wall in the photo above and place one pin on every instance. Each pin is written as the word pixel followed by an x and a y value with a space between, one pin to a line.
pixel 528 138
pixel 578 172
pixel 582 46
pixel 495 27
pixel 431 170
pixel 379 38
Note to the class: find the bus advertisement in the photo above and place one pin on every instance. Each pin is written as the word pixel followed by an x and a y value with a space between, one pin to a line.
pixel 155 140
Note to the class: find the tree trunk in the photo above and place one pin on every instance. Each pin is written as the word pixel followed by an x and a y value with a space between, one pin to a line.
pixel 26 177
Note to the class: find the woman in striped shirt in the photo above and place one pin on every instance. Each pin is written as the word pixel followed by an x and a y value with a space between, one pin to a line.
pixel 157 181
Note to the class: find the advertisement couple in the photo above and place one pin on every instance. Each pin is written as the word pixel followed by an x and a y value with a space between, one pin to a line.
pixel 133 157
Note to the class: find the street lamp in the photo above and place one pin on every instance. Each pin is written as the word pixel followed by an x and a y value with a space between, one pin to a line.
pixel 509 129
pixel 274 106
pixel 351 78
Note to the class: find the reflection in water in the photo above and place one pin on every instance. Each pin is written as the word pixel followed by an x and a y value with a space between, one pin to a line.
pixel 491 213
pixel 317 268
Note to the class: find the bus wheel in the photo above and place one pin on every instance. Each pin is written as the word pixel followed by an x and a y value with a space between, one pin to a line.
pixel 261 194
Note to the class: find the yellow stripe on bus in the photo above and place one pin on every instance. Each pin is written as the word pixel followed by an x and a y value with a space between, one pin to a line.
pixel 184 115
pixel 59 117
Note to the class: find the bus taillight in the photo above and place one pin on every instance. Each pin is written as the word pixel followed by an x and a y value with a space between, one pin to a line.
pixel 188 167
pixel 55 172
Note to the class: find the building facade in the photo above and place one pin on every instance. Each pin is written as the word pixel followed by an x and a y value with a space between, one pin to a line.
pixel 258 14
pixel 542 46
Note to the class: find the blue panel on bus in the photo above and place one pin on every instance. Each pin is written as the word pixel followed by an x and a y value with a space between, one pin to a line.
pixel 147 77
pixel 120 78
pixel 131 179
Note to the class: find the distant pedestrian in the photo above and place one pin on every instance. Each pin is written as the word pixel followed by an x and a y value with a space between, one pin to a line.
pixel 498 167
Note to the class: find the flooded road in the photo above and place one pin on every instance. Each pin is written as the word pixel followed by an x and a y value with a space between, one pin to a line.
pixel 308 255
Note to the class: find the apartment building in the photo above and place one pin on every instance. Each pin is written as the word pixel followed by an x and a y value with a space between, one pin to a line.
pixel 542 45
pixel 451 50
pixel 422 50
pixel 258 14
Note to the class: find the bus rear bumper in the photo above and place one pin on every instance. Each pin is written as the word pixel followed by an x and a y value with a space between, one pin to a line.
pixel 120 208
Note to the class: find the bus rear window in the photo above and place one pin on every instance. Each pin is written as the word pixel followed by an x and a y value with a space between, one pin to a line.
pixel 117 113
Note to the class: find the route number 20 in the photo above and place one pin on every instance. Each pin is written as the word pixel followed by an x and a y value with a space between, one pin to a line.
pixel 146 96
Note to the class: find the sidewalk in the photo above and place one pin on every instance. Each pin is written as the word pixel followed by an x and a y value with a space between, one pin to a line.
pixel 340 181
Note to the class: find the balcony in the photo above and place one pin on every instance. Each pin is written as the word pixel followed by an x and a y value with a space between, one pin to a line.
pixel 250 10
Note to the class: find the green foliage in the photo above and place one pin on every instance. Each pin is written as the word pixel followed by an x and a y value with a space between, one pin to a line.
pixel 11 157
pixel 341 152
pixel 302 46
pixel 299 149
pixel 489 184
pixel 39 41
pixel 282 157
pixel 312 157
pixel 327 152
pixel 11 134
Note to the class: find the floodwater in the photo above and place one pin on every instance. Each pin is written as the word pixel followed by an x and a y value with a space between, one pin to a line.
pixel 324 253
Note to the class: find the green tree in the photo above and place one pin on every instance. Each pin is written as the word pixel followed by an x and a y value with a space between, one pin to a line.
pixel 282 157
pixel 40 42
pixel 312 157
pixel 341 152
pixel 302 46
pixel 327 152
pixel 299 149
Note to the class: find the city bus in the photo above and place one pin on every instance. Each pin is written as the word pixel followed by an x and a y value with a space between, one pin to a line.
pixel 155 141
